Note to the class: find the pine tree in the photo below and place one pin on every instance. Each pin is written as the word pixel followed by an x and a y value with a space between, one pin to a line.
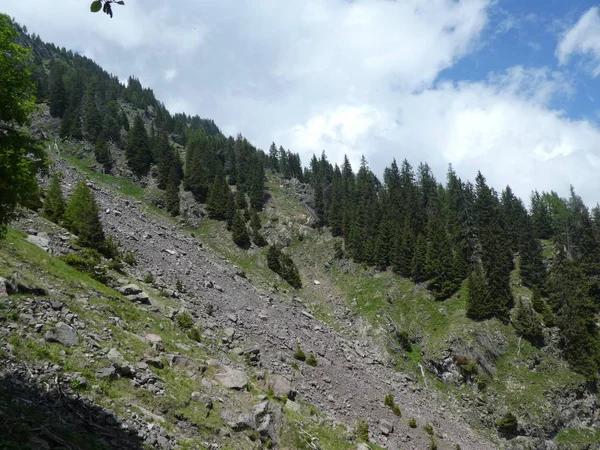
pixel 527 323
pixel 82 218
pixel 54 203
pixel 240 200
pixel 137 148
pixel 531 260
pixel 239 232
pixel 218 196
pixel 172 200
pixel 231 210
pixel 102 152
pixel 92 118
pixel 419 259
pixel 479 304
pixel 58 95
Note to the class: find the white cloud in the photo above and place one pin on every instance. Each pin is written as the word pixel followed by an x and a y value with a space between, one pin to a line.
pixel 583 39
pixel 356 77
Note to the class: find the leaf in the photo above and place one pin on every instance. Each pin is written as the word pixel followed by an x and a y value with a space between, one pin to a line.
pixel 96 6
pixel 120 2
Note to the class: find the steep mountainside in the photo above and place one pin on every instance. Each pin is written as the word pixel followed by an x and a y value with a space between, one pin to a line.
pixel 176 332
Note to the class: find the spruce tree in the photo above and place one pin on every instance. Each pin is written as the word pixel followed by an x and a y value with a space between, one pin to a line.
pixel 479 302
pixel 240 200
pixel 92 118
pixel 172 200
pixel 527 323
pixel 82 218
pixel 218 195
pixel 531 260
pixel 54 203
pixel 102 152
pixel 58 95
pixel 137 148
pixel 231 210
pixel 419 259
pixel 239 232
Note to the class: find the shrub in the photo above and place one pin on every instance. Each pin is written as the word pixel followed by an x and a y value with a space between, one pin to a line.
pixel 389 402
pixel 194 334
pixel 149 278
pixel 129 257
pixel 294 365
pixel 362 430
pixel 432 444
pixel 299 354
pixel 184 320
pixel 412 422
pixel 403 340
pixel 179 285
pixel 311 360
pixel 282 264
pixel 428 429
pixel 88 262
pixel 508 424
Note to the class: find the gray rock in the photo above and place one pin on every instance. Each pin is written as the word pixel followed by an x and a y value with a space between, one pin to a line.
pixel 79 379
pixel 233 379
pixel 142 298
pixel 202 399
pixel 154 362
pixel 107 372
pixel 119 363
pixel 130 289
pixel 40 241
pixel 239 422
pixel 386 427
pixel 63 334
pixel 282 387
pixel 3 291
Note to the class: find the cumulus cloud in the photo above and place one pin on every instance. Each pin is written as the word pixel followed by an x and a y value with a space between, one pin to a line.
pixel 583 39
pixel 348 77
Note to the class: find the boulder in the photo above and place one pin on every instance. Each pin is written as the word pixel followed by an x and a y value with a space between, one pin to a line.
pixel 107 372
pixel 130 289
pixel 233 379
pixel 119 363
pixel 282 387
pixel 63 334
pixel 386 427
pixel 142 298
pixel 40 241
pixel 3 291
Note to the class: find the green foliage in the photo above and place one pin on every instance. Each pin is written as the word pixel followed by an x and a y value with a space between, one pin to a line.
pixel 137 149
pixel 129 257
pixel 89 262
pixel 149 278
pixel 428 429
pixel 527 323
pixel 184 320
pixel 179 286
pixel 239 232
pixel 403 340
pixel 102 153
pixel 432 444
pixel 21 158
pixel 82 218
pixel 282 264
pixel 412 422
pixel 54 203
pixel 172 200
pixel 311 360
pixel 218 196
pixel 299 353
pixel 508 424
pixel 389 402
pixel 194 334
pixel 362 430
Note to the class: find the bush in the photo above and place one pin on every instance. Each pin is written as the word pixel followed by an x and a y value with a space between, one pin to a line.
pixel 282 264
pixel 403 340
pixel 412 422
pixel 184 320
pixel 88 262
pixel 389 402
pixel 428 429
pixel 362 430
pixel 311 360
pixel 508 424
pixel 149 278
pixel 299 354
pixel 179 286
pixel 194 334
pixel 432 444
pixel 129 258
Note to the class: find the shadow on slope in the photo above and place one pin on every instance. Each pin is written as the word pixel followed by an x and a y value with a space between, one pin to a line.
pixel 34 416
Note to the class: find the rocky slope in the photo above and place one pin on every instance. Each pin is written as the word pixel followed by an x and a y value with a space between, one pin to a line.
pixel 248 334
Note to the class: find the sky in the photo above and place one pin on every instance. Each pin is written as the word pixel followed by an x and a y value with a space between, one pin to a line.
pixel 507 87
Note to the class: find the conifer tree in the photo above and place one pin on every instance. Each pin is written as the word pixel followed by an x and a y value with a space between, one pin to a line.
pixel 239 232
pixel 527 323
pixel 240 200
pixel 218 196
pixel 92 118
pixel 172 200
pixel 137 148
pixel 82 218
pixel 419 259
pixel 111 122
pixel 531 260
pixel 231 210
pixel 102 152
pixel 54 203
pixel 58 95
pixel 479 303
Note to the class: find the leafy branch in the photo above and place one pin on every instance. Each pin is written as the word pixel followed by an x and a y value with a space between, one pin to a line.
pixel 105 6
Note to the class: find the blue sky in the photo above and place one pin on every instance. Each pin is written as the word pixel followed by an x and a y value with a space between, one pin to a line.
pixel 503 86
